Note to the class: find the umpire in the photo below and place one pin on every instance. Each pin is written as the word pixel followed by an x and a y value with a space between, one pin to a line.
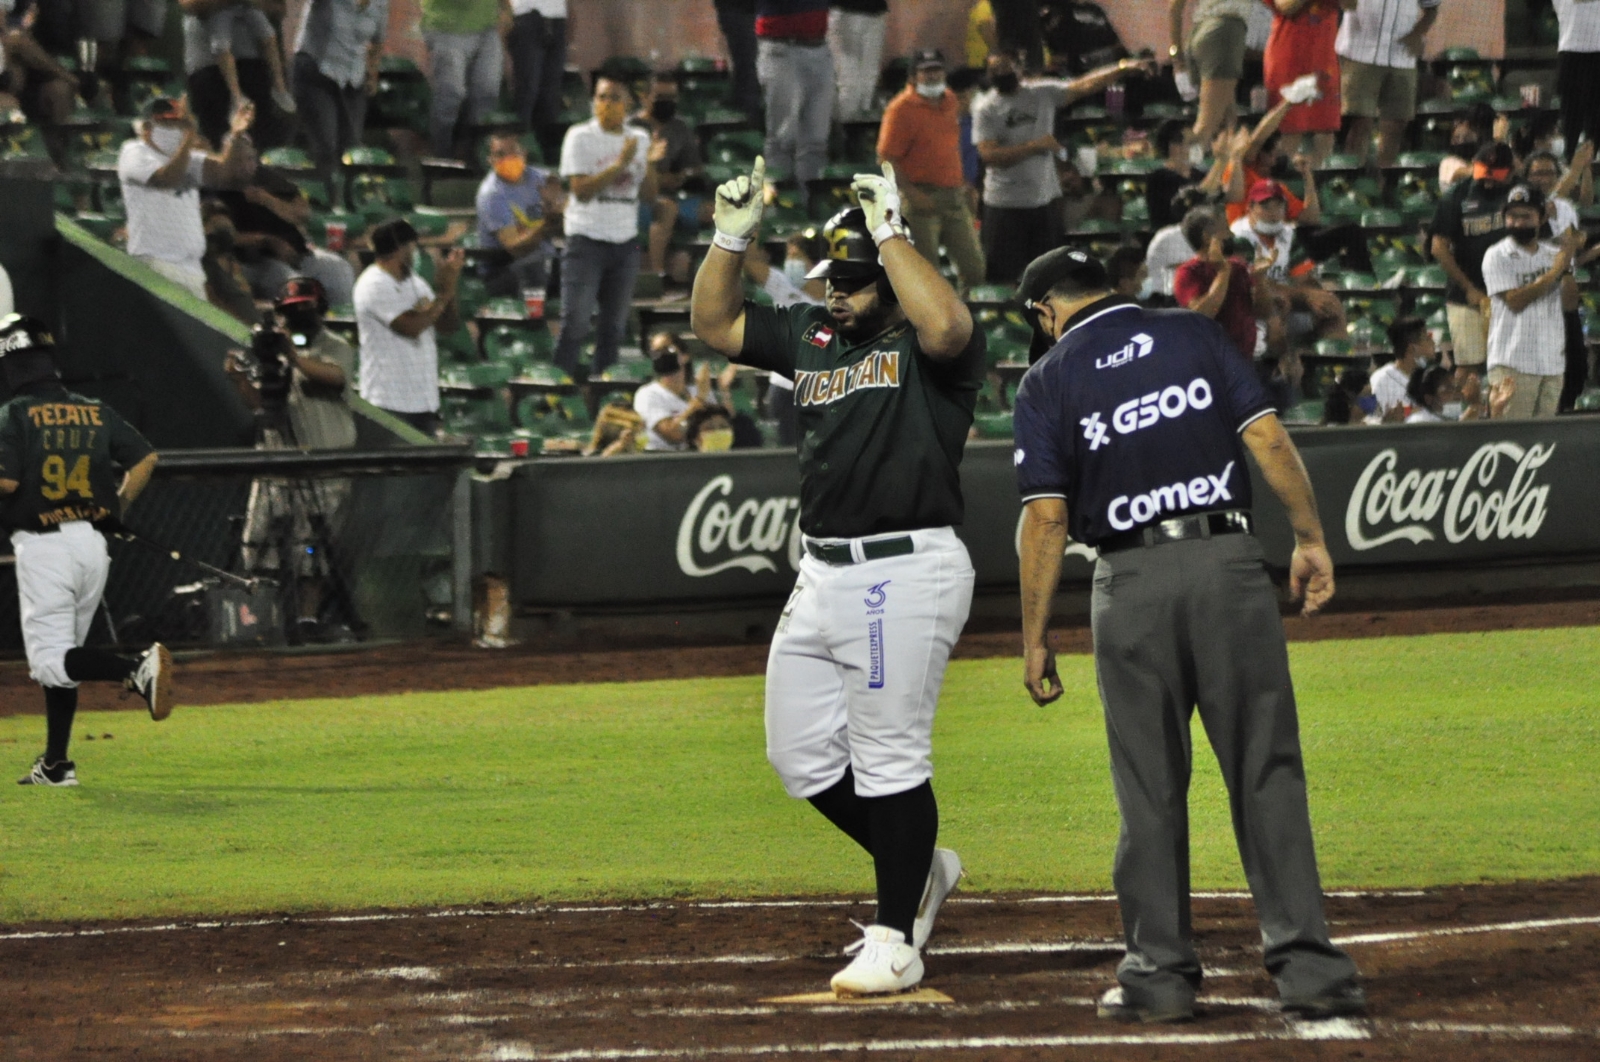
pixel 1128 436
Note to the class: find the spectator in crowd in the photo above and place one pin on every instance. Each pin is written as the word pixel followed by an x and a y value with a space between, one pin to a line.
pixel 517 206
pixel 1471 132
pixel 1289 276
pixel 665 404
pixel 231 55
pixel 110 32
pixel 1257 156
pixel 336 57
pixel 226 286
pixel 1468 221
pixel 982 37
pixel 270 214
pixel 709 430
pixel 1128 273
pixel 538 46
pixel 1578 71
pixel 1348 400
pixel 39 85
pixel 161 172
pixel 855 37
pixel 1177 172
pixel 1014 127
pixel 1433 396
pixel 1169 248
pixel 1522 277
pixel 1543 172
pixel 397 314
pixel 920 135
pixel 680 160
pixel 1379 43
pixel 796 72
pixel 1216 284
pixel 1212 60
pixel 617 430
pixel 1413 349
pixel 609 170
pixel 737 20
pixel 1302 43
pixel 964 83
pixel 466 58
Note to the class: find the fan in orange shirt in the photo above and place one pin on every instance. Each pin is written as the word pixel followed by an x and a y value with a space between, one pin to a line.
pixel 1302 40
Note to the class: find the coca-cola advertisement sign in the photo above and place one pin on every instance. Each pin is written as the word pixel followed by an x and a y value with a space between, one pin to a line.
pixel 1494 494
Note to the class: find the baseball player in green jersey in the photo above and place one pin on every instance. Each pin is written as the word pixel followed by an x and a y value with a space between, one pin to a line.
pixel 886 375
pixel 59 456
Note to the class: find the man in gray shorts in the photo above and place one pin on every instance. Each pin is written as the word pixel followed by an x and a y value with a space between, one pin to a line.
pixel 1214 59
pixel 1379 43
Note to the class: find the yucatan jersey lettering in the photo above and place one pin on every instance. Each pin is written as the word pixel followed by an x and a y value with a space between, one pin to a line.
pixel 881 368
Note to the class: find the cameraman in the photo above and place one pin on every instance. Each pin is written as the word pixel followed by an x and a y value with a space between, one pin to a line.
pixel 297 384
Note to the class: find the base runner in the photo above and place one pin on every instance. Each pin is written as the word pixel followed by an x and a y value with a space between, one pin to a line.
pixel 885 377
pixel 59 455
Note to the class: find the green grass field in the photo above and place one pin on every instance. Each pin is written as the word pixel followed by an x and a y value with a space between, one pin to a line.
pixel 1431 760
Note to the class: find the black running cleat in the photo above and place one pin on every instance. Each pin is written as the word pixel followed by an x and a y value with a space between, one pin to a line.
pixel 1346 1000
pixel 152 680
pixel 59 773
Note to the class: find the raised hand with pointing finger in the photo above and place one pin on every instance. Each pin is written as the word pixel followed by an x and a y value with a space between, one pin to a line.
pixel 880 201
pixel 737 211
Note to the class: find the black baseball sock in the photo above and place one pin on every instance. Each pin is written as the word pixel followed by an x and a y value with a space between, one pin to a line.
pixel 60 705
pixel 904 828
pixel 97 665
pixel 846 810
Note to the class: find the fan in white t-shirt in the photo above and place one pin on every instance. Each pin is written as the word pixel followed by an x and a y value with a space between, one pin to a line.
pixel 665 404
pixel 1413 349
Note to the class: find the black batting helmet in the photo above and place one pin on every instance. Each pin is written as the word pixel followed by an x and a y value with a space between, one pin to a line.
pixel 302 291
pixel 19 332
pixel 852 252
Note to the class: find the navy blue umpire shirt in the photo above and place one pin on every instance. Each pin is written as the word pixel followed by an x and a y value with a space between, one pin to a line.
pixel 1134 417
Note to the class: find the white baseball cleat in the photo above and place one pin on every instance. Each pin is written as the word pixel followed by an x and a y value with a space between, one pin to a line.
pixel 884 962
pixel 152 680
pixel 942 878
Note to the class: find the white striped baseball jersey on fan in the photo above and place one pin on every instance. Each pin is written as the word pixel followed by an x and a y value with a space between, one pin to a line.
pixel 1371 32
pixel 1580 25
pixel 1533 341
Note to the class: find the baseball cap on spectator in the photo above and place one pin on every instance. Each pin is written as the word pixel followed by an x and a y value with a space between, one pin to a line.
pixel 392 235
pixel 166 109
pixel 926 58
pixel 1265 190
pixel 1493 162
pixel 1525 195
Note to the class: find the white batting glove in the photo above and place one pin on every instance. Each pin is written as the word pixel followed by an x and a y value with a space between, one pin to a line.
pixel 880 201
pixel 737 211
pixel 1302 89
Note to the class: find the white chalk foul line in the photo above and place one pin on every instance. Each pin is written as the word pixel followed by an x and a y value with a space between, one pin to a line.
pixel 1458 931
pixel 540 909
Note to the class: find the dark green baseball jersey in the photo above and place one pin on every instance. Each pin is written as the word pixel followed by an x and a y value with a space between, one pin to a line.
pixel 65 451
pixel 882 425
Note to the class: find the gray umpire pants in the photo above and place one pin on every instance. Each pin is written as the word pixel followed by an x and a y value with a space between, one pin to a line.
pixel 1196 623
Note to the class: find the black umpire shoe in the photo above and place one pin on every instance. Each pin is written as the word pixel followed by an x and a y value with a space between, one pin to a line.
pixel 152 680
pixel 61 772
pixel 1346 1000
pixel 1114 1004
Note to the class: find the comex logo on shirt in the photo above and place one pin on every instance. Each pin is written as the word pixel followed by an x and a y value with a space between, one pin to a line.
pixel 1138 413
pixel 1174 497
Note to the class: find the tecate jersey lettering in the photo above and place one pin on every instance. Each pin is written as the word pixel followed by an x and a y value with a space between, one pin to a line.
pixel 1174 497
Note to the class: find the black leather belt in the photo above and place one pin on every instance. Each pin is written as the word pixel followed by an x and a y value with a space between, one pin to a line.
pixel 839 554
pixel 1180 529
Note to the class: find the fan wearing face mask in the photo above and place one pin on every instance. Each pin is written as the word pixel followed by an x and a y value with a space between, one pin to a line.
pixel 1522 277
pixel 1413 348
pixel 518 205
pixel 921 134
pixel 1290 276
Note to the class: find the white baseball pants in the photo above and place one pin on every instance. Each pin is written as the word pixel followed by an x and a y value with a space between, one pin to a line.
pixel 60 577
pixel 856 664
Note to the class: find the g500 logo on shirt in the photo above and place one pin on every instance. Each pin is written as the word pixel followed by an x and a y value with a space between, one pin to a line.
pixel 881 368
pixel 1174 497
pixel 1138 413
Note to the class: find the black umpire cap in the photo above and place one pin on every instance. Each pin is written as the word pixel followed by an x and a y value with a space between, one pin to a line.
pixel 1065 265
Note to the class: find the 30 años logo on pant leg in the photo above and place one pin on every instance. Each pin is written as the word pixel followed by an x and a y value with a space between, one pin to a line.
pixel 876 597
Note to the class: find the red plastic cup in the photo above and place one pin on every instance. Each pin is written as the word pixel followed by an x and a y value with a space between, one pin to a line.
pixel 519 447
pixel 335 234
pixel 533 302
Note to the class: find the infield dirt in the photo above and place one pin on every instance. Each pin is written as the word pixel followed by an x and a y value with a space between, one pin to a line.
pixel 686 980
